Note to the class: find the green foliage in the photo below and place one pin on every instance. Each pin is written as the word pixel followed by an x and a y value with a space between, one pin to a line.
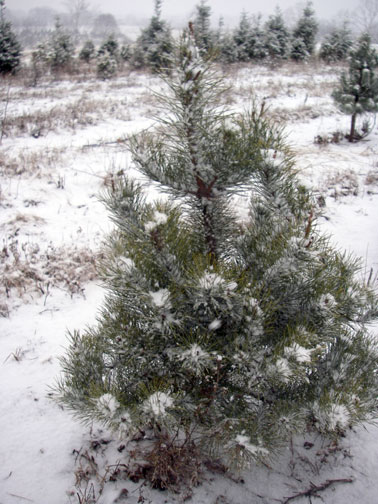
pixel 109 46
pixel 202 31
pixel 336 45
pixel 155 44
pixel 59 48
pixel 307 28
pixel 357 92
pixel 298 51
pixel 10 49
pixel 277 38
pixel 225 330
pixel 125 52
pixel 87 52
pixel 108 58
pixel 242 36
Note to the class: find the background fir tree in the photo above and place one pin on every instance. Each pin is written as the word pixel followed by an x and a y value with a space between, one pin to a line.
pixel 306 29
pixel 108 58
pixel 220 331
pixel 226 51
pixel 257 46
pixel 87 52
pixel 242 38
pixel 202 30
pixel 10 49
pixel 336 45
pixel 277 38
pixel 250 39
pixel 60 49
pixel 155 44
pixel 357 92
pixel 298 50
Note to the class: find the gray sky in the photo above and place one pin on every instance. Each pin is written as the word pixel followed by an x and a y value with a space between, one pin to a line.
pixel 228 8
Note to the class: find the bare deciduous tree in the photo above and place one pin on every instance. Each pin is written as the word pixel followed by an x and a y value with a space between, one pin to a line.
pixel 367 18
pixel 78 10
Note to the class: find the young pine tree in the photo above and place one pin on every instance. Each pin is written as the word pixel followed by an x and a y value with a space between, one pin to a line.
pixel 108 58
pixel 60 48
pixel 357 92
pixel 88 51
pixel 225 331
pixel 202 29
pixel 225 45
pixel 306 29
pixel 336 45
pixel 277 38
pixel 243 38
pixel 258 50
pixel 154 45
pixel 10 49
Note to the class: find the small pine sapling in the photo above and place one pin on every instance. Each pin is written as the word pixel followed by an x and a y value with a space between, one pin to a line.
pixel 357 92
pixel 221 333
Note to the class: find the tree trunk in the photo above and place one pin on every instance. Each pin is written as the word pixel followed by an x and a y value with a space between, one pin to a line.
pixel 352 127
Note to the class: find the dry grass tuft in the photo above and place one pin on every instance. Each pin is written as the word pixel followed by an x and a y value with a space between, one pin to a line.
pixel 80 113
pixel 372 177
pixel 342 183
pixel 27 271
pixel 30 162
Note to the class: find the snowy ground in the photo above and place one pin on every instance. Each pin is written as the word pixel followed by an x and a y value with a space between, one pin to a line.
pixel 62 143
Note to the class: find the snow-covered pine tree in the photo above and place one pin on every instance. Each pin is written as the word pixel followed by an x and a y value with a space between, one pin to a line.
pixel 226 50
pixel 10 48
pixel 357 92
pixel 88 51
pixel 277 38
pixel 60 48
pixel 298 50
pixel 221 330
pixel 258 49
pixel 155 44
pixel 306 29
pixel 202 29
pixel 108 58
pixel 336 46
pixel 242 38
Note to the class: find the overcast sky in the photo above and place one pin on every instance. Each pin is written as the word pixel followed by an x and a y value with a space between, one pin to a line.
pixel 174 8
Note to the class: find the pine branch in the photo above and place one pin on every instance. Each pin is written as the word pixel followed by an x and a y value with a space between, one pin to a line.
pixel 314 489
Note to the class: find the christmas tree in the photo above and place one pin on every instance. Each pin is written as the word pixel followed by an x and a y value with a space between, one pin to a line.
pixel 154 45
pixel 202 30
pixel 336 46
pixel 221 331
pixel 60 48
pixel 305 30
pixel 357 92
pixel 242 38
pixel 10 49
pixel 277 37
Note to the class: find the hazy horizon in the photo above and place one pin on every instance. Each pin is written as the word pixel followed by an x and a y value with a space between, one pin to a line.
pixel 324 9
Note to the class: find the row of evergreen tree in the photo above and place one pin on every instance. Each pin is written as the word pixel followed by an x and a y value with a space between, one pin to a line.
pixel 251 40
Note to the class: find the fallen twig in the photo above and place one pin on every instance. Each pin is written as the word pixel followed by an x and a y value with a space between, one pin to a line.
pixel 20 497
pixel 101 144
pixel 312 491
